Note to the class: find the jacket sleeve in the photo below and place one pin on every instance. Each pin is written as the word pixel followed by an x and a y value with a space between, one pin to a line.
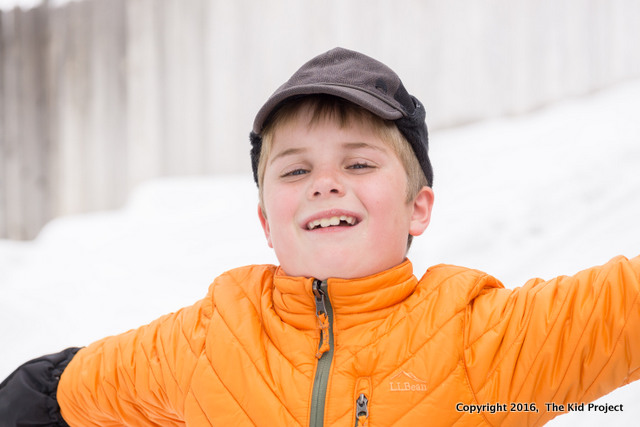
pixel 572 339
pixel 28 395
pixel 139 377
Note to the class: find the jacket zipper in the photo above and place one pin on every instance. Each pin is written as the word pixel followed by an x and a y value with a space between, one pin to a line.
pixel 362 410
pixel 324 314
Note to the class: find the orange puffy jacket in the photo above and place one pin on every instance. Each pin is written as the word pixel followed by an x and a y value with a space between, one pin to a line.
pixel 454 347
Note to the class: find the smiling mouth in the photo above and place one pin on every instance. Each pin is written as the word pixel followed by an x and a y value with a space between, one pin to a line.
pixel 334 221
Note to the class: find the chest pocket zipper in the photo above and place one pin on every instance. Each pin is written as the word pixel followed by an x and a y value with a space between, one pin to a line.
pixel 362 411
pixel 362 396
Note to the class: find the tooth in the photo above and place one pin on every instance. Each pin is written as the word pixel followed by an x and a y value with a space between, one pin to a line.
pixel 334 220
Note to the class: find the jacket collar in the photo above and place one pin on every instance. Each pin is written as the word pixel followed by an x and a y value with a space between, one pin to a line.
pixel 354 301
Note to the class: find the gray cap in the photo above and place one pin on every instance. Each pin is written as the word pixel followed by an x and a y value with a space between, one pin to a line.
pixel 359 79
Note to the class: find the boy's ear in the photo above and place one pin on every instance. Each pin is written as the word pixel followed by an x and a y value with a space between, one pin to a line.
pixel 422 205
pixel 265 225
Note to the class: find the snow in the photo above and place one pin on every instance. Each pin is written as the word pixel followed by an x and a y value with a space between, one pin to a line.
pixel 540 195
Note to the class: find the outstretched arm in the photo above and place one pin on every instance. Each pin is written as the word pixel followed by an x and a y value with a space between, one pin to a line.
pixel 140 377
pixel 572 339
pixel 136 378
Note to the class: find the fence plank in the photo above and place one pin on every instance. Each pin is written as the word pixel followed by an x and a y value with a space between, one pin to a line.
pixel 144 93
pixel 34 135
pixel 182 64
pixel 106 156
pixel 12 154
pixel 54 57
pixel 72 104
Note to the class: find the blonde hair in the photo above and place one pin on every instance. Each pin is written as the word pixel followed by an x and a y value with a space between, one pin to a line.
pixel 324 107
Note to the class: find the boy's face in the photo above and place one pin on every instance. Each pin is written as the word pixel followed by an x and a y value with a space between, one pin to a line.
pixel 320 175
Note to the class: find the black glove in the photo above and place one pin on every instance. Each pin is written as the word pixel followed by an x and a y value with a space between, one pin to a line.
pixel 28 395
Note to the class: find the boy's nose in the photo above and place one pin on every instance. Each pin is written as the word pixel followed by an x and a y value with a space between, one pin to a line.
pixel 326 184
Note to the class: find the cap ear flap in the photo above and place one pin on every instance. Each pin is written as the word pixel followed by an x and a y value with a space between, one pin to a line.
pixel 256 148
pixel 414 129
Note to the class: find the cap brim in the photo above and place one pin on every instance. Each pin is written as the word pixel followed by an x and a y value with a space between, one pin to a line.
pixel 364 99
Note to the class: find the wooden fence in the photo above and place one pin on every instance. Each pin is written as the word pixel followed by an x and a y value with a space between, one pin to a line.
pixel 99 95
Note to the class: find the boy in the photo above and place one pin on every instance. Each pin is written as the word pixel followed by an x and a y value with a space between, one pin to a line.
pixel 342 333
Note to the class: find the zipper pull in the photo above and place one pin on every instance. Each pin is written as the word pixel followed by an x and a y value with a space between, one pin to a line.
pixel 362 410
pixel 323 319
pixel 319 294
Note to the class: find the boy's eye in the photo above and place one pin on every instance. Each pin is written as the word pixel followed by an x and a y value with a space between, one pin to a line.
pixel 359 165
pixel 295 172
